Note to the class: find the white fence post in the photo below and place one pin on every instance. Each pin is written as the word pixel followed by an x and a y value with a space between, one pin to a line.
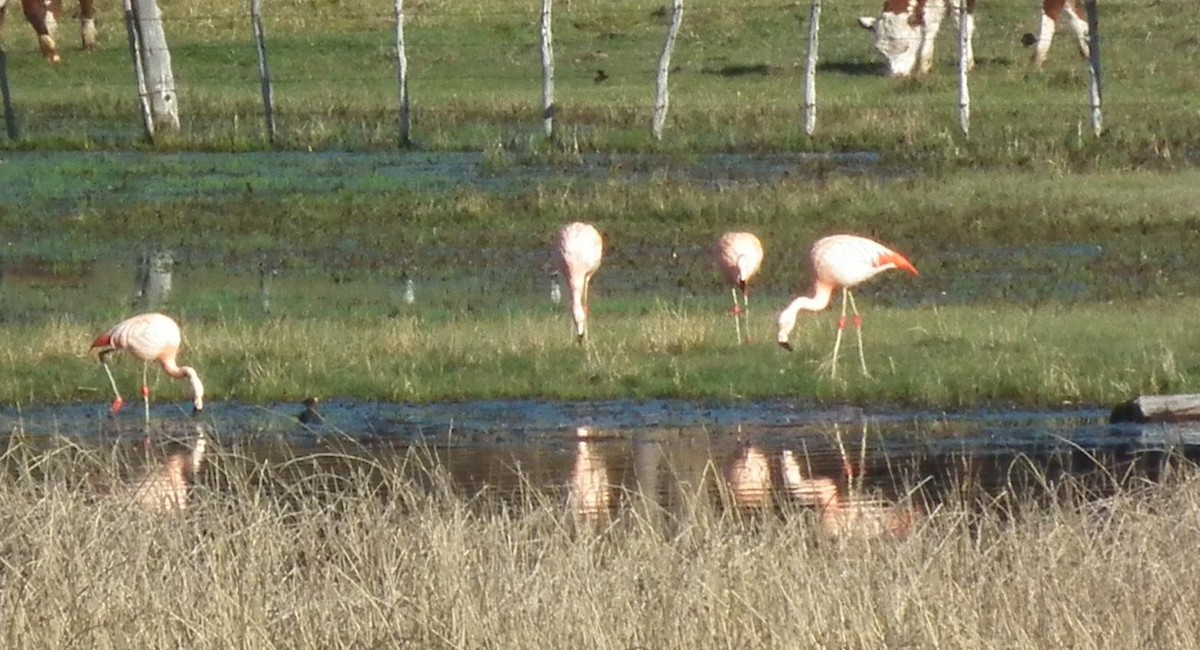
pixel 547 72
pixel 810 69
pixel 1094 94
pixel 264 74
pixel 964 92
pixel 664 67
pixel 135 52
pixel 159 80
pixel 402 77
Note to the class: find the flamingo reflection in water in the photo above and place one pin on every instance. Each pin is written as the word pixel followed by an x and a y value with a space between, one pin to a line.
pixel 748 476
pixel 165 487
pixel 590 491
pixel 852 516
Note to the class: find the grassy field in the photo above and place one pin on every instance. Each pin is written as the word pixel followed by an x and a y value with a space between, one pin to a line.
pixel 1055 269
pixel 476 82
pixel 1035 289
pixel 378 558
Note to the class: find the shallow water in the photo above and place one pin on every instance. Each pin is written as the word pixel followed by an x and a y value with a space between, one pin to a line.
pixel 603 456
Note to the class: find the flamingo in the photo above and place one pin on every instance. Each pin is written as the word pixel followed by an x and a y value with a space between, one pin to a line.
pixel 151 338
pixel 579 248
pixel 738 256
pixel 841 261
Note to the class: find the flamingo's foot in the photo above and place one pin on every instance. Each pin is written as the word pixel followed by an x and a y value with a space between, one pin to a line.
pixel 116 405
pixel 748 341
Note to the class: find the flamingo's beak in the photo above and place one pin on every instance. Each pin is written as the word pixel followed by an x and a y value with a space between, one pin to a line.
pixel 196 411
pixel 579 339
pixel 785 345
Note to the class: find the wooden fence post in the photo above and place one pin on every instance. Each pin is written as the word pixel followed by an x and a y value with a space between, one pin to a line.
pixel 964 48
pixel 402 77
pixel 664 67
pixel 156 64
pixel 810 69
pixel 264 73
pixel 154 272
pixel 135 52
pixel 1094 93
pixel 547 72
pixel 10 120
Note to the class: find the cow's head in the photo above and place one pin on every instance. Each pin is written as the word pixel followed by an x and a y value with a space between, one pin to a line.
pixel 898 36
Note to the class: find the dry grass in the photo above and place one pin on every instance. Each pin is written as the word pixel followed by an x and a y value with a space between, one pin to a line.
pixel 381 555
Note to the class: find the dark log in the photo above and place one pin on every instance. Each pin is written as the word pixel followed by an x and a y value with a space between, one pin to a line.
pixel 1158 408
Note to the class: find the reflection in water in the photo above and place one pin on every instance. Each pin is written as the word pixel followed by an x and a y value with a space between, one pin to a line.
pixel 748 477
pixel 676 478
pixel 167 486
pixel 854 515
pixel 590 493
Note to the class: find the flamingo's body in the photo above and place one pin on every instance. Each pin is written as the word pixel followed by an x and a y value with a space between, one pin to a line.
pixel 738 256
pixel 841 261
pixel 152 338
pixel 578 249
pixel 853 516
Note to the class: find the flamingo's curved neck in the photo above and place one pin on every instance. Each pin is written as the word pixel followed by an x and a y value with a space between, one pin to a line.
pixel 179 372
pixel 822 295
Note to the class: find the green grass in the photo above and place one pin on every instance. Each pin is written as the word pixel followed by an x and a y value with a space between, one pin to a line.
pixel 475 83
pixel 1035 288
pixel 947 357
pixel 387 553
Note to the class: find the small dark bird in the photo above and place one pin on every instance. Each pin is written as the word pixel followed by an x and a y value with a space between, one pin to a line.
pixel 310 414
pixel 1028 39
pixel 600 77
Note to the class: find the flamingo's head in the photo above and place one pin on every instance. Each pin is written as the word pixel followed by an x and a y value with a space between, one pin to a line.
pixel 787 322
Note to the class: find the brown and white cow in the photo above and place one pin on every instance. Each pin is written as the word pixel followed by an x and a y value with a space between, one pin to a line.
pixel 43 16
pixel 1052 11
pixel 904 32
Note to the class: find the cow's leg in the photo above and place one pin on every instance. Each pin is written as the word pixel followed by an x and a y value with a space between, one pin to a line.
pixel 1051 10
pixel 969 10
pixel 42 20
pixel 933 21
pixel 87 24
pixel 1077 19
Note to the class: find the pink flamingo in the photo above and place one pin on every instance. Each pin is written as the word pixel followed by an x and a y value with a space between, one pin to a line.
pixel 738 256
pixel 151 338
pixel 841 261
pixel 579 248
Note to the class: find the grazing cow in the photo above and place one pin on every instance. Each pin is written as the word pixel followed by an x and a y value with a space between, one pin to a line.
pixel 905 29
pixel 43 16
pixel 1052 10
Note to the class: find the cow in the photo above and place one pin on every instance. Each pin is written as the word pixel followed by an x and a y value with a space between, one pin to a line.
pixel 43 16
pixel 1052 11
pixel 905 30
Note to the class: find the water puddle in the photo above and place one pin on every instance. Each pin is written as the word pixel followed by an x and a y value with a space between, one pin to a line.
pixel 601 457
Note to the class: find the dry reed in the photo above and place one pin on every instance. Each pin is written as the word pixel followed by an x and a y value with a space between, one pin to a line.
pixel 387 553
